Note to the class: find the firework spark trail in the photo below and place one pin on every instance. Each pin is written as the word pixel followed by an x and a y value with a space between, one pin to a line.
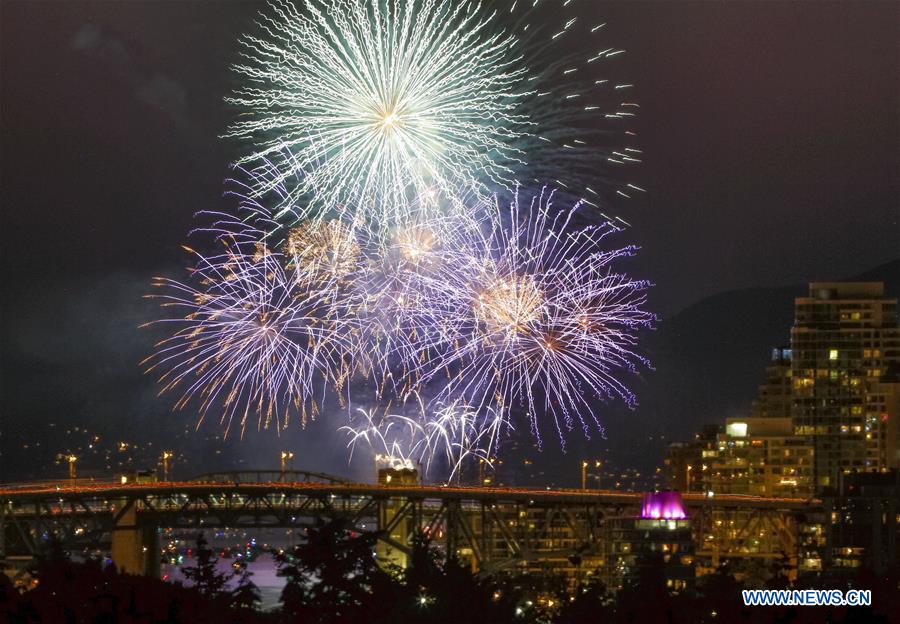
pixel 454 435
pixel 394 439
pixel 533 311
pixel 461 435
pixel 398 321
pixel 580 139
pixel 378 102
pixel 323 255
pixel 248 340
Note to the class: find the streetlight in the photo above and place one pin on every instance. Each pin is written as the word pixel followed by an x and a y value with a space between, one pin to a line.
pixel 166 456
pixel 285 457
pixel 584 465
pixel 72 459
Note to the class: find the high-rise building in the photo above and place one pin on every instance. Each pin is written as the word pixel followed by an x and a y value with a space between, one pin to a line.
pixel 861 523
pixel 844 338
pixel 685 460
pixel 759 457
pixel 883 401
pixel 774 398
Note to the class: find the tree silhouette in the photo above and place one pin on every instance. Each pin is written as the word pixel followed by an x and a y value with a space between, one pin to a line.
pixel 645 598
pixel 205 576
pixel 779 571
pixel 592 602
pixel 720 596
pixel 72 591
pixel 332 576
pixel 245 595
pixel 435 588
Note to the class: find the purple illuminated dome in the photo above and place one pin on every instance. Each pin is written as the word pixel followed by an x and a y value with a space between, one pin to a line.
pixel 665 505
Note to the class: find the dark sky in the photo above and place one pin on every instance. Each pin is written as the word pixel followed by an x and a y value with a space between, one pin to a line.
pixel 770 131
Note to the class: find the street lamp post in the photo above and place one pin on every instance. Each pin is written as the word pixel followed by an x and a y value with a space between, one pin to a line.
pixel 285 457
pixel 584 465
pixel 72 459
pixel 166 456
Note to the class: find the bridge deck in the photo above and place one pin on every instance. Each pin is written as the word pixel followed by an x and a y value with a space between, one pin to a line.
pixel 54 491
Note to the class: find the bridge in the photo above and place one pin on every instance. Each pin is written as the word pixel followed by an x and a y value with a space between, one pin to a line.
pixel 493 528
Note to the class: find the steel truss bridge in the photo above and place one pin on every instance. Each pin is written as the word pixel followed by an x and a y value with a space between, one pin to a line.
pixel 493 528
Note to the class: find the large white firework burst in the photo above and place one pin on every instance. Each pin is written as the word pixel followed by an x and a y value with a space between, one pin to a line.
pixel 380 102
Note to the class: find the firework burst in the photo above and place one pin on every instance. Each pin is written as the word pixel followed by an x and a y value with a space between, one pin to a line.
pixel 323 250
pixel 379 102
pixel 454 436
pixel 251 339
pixel 394 439
pixel 370 255
pixel 461 436
pixel 533 317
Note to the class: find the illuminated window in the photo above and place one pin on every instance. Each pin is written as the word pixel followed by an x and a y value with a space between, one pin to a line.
pixel 833 354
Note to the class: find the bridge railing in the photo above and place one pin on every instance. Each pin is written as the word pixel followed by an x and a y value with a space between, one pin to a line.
pixel 268 476
pixel 63 483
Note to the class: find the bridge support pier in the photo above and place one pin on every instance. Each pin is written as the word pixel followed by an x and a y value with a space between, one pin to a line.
pixel 135 547
pixel 394 523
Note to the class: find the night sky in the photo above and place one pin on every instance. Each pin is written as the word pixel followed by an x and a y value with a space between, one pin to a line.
pixel 770 133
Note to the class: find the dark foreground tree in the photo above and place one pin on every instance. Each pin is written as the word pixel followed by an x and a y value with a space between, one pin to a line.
pixel 69 591
pixel 332 576
pixel 245 595
pixel 646 598
pixel 205 576
pixel 592 602
pixel 435 588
